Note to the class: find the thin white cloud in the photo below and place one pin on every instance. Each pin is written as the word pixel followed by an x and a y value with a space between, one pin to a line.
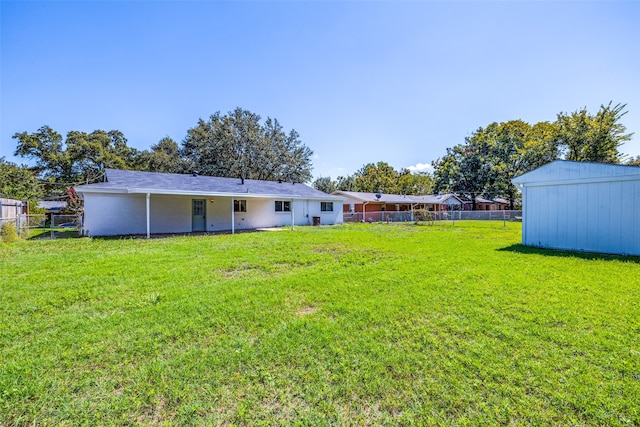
pixel 421 167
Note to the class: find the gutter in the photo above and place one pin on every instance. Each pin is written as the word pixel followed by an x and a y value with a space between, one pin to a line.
pixel 205 193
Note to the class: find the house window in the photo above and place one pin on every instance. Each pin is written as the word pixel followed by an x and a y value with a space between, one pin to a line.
pixel 283 206
pixel 239 205
pixel 326 206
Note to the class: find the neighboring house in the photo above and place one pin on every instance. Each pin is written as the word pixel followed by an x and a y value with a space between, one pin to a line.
pixel 482 204
pixel 501 204
pixel 131 202
pixel 582 206
pixel 356 202
pixel 52 207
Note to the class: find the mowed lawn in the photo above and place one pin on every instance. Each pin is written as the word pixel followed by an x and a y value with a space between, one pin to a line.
pixel 365 324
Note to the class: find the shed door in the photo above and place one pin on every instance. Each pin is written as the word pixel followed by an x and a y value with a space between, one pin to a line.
pixel 198 215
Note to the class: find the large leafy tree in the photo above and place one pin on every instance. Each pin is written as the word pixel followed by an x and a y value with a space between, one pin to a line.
pixel 374 177
pixel 515 148
pixel 238 145
pixel 346 183
pixel 91 153
pixel 584 137
pixel 163 157
pixel 488 160
pixel 19 182
pixel 46 148
pixel 325 184
pixel 466 168
pixel 80 158
pixel 417 184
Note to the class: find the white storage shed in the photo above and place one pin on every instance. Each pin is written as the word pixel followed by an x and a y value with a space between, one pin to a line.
pixel 593 207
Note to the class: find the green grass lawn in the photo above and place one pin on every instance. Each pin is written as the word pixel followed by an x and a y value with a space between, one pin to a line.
pixel 348 325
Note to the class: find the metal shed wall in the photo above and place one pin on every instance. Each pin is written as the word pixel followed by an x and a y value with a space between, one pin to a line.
pixel 582 206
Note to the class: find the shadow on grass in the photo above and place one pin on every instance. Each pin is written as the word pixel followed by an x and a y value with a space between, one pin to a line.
pixel 186 234
pixel 522 249
pixel 62 233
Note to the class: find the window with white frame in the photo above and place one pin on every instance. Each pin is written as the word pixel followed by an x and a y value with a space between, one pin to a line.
pixel 283 206
pixel 326 206
pixel 239 205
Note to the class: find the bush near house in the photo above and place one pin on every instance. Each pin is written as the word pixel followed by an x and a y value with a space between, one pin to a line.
pixel 383 324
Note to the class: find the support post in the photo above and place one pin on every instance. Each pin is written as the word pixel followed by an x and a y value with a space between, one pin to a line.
pixel 148 216
pixel 233 219
pixel 292 215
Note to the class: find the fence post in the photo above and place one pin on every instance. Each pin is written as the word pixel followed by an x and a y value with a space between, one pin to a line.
pixel 53 224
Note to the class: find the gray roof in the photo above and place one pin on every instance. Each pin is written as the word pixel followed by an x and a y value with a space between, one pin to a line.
pixel 122 181
pixel 52 204
pixel 570 172
pixel 396 198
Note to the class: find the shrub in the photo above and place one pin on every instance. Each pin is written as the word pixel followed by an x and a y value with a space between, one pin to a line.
pixel 8 232
pixel 421 215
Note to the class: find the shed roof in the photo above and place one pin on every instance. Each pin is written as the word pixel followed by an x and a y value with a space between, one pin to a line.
pixel 123 181
pixel 561 172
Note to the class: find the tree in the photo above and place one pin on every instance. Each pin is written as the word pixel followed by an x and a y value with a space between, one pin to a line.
pixel 46 147
pixel 237 145
pixel 372 178
pixel 91 153
pixel 634 162
pixel 81 158
pixel 417 184
pixel 515 148
pixel 346 183
pixel 18 182
pixel 325 184
pixel 163 157
pixel 465 169
pixel 585 138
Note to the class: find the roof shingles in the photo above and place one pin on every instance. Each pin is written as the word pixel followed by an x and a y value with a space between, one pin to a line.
pixel 166 183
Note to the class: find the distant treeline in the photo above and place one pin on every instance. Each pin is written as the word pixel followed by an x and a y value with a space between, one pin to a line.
pixel 238 144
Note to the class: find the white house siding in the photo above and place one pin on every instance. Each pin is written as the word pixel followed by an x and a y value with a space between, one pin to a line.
pixel 112 214
pixel 118 214
pixel 121 214
pixel 587 207
pixel 261 213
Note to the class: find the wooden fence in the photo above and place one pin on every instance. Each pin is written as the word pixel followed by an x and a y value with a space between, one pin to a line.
pixel 10 209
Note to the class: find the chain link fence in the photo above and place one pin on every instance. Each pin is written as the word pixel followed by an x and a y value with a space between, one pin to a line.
pixel 47 227
pixel 408 216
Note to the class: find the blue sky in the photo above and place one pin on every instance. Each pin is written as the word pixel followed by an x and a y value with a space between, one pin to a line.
pixel 360 81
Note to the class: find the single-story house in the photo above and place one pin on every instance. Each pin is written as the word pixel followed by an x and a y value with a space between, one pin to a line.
pixel 592 207
pixel 132 202
pixel 361 203
pixel 483 204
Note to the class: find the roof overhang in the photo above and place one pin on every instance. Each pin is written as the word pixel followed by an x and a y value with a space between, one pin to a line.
pixel 586 180
pixel 168 192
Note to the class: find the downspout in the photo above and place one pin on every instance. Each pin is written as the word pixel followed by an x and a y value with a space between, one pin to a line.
pixel 233 219
pixel 292 215
pixel 364 211
pixel 148 217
